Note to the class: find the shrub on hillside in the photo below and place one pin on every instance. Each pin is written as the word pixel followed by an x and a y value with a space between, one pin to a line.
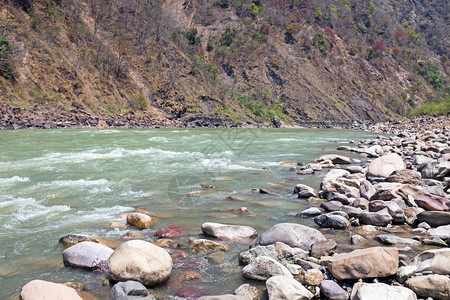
pixel 6 61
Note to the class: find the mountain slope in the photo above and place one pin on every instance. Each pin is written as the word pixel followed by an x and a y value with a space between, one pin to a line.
pixel 302 61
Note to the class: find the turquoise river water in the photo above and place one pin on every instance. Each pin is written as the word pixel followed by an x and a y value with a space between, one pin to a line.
pixel 57 182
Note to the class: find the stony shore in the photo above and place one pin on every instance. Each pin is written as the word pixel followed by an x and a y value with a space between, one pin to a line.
pixel 396 195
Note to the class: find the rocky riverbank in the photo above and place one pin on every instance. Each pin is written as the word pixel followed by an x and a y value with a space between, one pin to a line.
pixel 393 202
pixel 77 117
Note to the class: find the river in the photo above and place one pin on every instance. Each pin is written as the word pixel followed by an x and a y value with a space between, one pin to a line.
pixel 58 182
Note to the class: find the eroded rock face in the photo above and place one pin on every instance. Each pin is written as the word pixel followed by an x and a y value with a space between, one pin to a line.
pixel 229 232
pixel 286 288
pixel 264 267
pixel 278 251
pixel 87 255
pixel 130 290
pixel 434 286
pixel 377 291
pixel 384 166
pixel 363 263
pixel 140 261
pixel 294 235
pixel 39 289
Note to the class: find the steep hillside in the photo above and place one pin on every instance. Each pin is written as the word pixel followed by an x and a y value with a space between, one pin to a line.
pixel 300 60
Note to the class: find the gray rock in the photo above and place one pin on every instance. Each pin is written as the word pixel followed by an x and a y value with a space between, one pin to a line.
pixel 389 239
pixel 312 211
pixel 264 267
pixel 366 190
pixel 285 288
pixel 228 232
pixel 352 212
pixel 333 196
pixel 332 291
pixel 305 191
pixel 356 239
pixel 375 218
pixel 361 203
pixel 335 159
pixel 306 264
pixel 435 169
pixel 87 255
pixel 434 286
pixel 434 218
pixel 279 251
pixel 130 290
pixel 397 214
pixel 405 272
pixel 377 291
pixel 294 235
pixel 331 221
pixel 331 205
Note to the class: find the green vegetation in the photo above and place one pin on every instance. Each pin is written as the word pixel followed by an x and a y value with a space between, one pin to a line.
pixel 192 37
pixel 228 36
pixel 259 109
pixel 6 62
pixel 431 108
pixel 137 101
pixel 320 43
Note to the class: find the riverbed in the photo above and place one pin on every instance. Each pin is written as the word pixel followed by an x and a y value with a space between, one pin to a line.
pixel 58 182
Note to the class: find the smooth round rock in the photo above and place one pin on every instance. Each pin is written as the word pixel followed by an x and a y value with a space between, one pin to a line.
pixel 141 261
pixel 87 255
pixel 40 290
pixel 139 220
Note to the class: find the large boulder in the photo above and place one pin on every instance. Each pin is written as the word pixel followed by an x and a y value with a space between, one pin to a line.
pixel 332 176
pixel 294 235
pixel 278 251
pixel 434 218
pixel 435 260
pixel 130 290
pixel 305 191
pixel 286 288
pixel 141 261
pixel 87 255
pixel 363 263
pixel 39 290
pixel 228 232
pixel 264 267
pixel 384 166
pixel 366 190
pixel 434 286
pixel 377 291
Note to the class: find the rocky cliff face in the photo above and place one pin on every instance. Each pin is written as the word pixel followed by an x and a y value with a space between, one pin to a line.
pixel 300 61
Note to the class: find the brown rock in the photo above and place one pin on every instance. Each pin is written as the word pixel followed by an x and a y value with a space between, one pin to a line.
pixel 432 202
pixel 363 263
pixel 139 220
pixel 169 231
pixel 203 244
